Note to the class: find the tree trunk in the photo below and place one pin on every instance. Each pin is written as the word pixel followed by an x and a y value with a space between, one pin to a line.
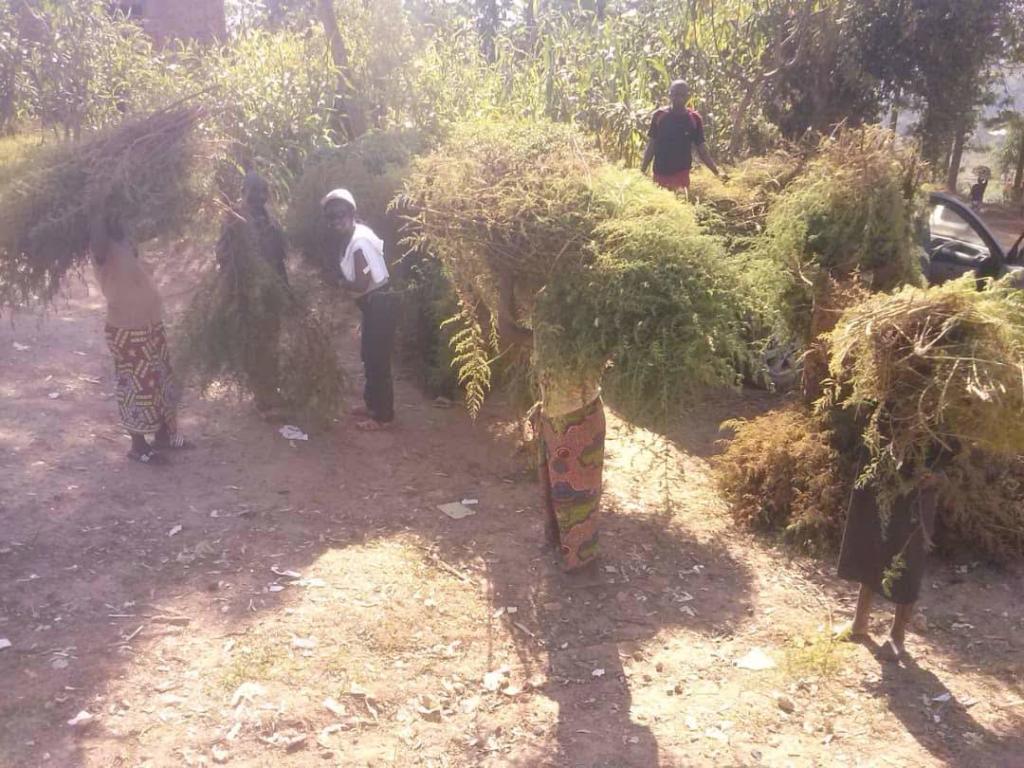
pixel 739 116
pixel 955 158
pixel 1018 176
pixel 350 120
pixel 530 24
pixel 487 21
pixel 894 117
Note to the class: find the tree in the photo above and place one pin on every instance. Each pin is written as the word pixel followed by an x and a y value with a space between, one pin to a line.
pixel 1011 153
pixel 941 57
pixel 351 119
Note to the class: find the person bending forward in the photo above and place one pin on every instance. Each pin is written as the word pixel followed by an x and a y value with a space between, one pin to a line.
pixel 365 273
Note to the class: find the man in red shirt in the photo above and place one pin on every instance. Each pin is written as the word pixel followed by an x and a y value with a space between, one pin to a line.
pixel 676 133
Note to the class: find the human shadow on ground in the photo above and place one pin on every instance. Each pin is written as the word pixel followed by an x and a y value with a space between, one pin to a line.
pixel 583 627
pixel 940 723
pixel 95 552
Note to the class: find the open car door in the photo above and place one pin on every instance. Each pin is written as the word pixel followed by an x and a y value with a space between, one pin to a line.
pixel 959 243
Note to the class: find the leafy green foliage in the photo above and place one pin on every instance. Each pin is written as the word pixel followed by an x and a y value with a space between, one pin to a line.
pixel 273 94
pixel 655 304
pixel 508 195
pixel 607 267
pixel 471 356
pixel 851 213
pixel 372 168
pixel 428 300
pixel 75 66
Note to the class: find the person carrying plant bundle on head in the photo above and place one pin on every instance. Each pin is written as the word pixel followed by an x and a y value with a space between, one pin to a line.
pixel 259 358
pixel 978 191
pixel 676 132
pixel 570 428
pixel 147 394
pixel 365 273
pixel 273 248
pixel 884 545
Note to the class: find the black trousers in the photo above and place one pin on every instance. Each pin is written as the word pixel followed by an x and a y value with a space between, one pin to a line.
pixel 380 317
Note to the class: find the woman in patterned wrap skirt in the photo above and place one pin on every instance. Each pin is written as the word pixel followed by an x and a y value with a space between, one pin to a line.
pixel 570 426
pixel 571 463
pixel 146 391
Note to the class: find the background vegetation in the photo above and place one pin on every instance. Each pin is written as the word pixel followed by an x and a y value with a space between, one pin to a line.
pixel 659 297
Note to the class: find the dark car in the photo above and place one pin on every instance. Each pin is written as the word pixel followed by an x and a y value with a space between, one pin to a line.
pixel 957 242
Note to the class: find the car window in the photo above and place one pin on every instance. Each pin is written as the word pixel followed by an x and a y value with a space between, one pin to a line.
pixel 947 224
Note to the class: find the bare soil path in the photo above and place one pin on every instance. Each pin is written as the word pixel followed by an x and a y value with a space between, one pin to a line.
pixel 262 602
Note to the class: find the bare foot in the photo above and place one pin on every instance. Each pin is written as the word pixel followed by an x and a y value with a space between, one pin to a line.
pixel 359 410
pixel 851 632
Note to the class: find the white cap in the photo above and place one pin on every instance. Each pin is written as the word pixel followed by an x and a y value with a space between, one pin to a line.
pixel 339 194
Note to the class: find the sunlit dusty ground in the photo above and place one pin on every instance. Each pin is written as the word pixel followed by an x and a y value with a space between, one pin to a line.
pixel 264 603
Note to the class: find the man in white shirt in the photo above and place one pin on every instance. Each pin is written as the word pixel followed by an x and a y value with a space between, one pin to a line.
pixel 365 274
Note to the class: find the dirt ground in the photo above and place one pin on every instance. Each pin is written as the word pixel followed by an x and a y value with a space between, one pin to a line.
pixel 262 602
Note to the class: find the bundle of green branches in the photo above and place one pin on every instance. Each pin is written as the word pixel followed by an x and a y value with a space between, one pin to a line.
pixel 245 327
pixel 607 267
pixel 781 472
pixel 850 213
pixel 510 196
pixel 737 209
pixel 428 300
pixel 372 168
pixel 654 304
pixel 147 163
pixel 931 372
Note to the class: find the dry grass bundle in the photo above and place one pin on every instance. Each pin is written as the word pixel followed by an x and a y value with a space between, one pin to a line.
pixel 983 504
pixel 781 472
pixel 850 212
pixel 372 168
pixel 247 328
pixel 932 370
pixel 737 209
pixel 147 164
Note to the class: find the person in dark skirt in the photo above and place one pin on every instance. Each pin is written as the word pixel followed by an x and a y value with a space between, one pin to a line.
pixel 888 561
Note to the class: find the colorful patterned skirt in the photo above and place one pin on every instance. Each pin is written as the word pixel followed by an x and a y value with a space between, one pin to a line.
pixel 571 462
pixel 147 395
